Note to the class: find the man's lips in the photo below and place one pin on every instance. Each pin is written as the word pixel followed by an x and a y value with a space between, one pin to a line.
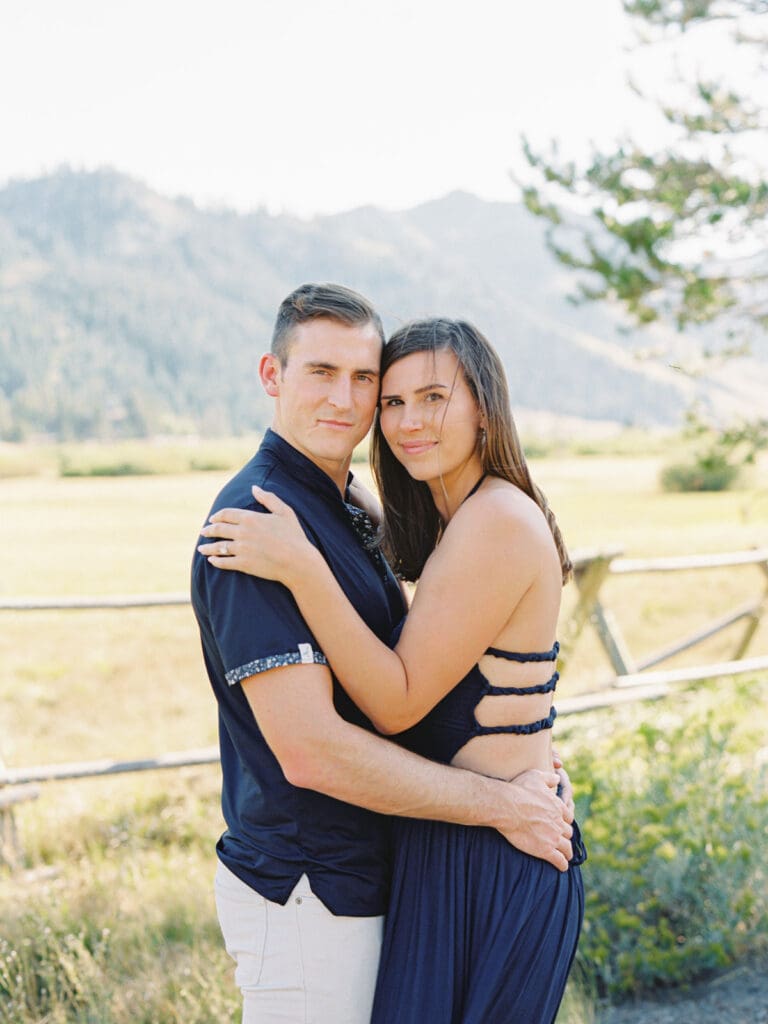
pixel 340 424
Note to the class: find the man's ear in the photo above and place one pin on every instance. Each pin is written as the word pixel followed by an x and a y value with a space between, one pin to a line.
pixel 269 373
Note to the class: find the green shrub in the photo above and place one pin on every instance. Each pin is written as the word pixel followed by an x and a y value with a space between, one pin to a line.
pixel 209 465
pixel 676 826
pixel 122 468
pixel 538 448
pixel 152 457
pixel 698 476
pixel 718 456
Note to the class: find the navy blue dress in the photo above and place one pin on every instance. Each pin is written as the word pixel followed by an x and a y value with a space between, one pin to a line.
pixel 477 932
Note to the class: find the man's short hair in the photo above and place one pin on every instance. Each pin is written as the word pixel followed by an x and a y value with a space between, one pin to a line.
pixel 313 301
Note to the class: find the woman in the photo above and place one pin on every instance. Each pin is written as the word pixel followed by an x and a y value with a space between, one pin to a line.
pixel 476 931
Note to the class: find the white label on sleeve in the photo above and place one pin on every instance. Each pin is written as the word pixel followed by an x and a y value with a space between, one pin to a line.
pixel 307 656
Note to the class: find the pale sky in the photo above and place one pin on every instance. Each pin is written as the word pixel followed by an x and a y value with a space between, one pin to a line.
pixel 308 106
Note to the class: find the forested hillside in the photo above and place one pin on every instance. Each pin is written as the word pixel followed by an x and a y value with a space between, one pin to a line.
pixel 126 313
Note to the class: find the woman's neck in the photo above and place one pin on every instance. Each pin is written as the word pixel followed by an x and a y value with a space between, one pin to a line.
pixel 449 494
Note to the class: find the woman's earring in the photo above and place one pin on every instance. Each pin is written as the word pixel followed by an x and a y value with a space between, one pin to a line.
pixel 483 437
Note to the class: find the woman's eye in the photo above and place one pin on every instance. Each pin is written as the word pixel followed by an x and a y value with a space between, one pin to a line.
pixel 433 396
pixel 390 403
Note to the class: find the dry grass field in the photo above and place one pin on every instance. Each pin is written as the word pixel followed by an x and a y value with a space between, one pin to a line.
pixel 139 674
pixel 129 858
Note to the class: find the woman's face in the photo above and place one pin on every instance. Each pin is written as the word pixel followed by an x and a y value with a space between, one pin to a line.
pixel 430 418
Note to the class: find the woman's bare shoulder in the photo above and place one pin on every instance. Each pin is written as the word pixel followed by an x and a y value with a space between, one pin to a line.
pixel 504 505
pixel 498 527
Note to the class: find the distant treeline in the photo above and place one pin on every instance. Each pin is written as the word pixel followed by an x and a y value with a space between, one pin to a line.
pixel 127 314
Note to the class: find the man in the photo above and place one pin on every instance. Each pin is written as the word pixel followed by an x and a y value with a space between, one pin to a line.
pixel 302 882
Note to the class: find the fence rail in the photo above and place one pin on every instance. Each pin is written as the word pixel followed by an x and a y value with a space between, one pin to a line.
pixel 92 769
pixel 63 604
pixel 591 569
pixel 591 572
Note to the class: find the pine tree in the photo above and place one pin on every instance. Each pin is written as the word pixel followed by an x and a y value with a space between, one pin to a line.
pixel 678 232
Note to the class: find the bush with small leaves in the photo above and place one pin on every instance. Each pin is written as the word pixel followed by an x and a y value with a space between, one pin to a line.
pixel 676 823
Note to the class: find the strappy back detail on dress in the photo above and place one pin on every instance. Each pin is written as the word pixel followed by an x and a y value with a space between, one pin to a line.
pixel 519 691
pixel 452 722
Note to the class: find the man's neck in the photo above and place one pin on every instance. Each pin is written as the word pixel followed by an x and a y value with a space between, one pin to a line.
pixel 337 471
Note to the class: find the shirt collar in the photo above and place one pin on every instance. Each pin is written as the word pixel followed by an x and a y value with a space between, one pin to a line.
pixel 320 483
pixel 303 467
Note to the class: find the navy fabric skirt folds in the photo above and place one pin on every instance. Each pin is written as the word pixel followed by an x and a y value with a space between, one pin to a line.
pixel 477 932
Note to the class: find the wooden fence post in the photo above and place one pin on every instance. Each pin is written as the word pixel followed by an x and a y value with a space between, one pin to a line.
pixel 590 569
pixel 11 853
pixel 612 640
pixel 753 619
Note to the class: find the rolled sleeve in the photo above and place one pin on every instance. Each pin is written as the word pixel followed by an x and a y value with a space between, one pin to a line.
pixel 257 625
pixel 305 655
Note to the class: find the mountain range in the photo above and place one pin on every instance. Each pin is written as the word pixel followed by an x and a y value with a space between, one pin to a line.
pixel 124 312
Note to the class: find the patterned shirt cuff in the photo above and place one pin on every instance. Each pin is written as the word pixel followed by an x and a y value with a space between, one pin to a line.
pixel 305 655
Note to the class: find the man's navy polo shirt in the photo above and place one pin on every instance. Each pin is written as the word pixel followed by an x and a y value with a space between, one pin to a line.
pixel 275 831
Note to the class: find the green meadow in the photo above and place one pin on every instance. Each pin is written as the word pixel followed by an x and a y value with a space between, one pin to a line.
pixel 110 919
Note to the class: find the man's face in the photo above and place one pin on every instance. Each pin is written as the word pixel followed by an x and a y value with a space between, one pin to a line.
pixel 327 392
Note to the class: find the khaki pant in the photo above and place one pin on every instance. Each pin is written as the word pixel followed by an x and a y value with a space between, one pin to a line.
pixel 297 964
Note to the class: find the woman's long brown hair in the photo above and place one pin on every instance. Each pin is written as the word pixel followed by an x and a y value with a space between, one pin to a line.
pixel 411 523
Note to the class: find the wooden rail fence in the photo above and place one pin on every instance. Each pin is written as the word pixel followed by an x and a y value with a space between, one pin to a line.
pixel 631 681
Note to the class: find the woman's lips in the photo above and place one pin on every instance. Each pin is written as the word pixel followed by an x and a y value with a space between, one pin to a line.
pixel 417 447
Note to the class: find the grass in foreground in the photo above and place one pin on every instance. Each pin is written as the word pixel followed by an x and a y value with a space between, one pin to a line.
pixel 120 928
pixel 123 929
pixel 114 921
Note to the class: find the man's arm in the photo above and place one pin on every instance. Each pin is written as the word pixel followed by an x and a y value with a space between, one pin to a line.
pixel 317 749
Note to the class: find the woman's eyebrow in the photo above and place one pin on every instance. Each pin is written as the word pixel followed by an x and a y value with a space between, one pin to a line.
pixel 419 391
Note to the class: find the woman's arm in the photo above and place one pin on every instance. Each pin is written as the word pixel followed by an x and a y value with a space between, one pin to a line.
pixel 487 558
